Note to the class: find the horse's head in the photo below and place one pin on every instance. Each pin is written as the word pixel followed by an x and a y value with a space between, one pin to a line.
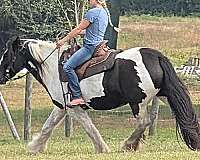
pixel 12 60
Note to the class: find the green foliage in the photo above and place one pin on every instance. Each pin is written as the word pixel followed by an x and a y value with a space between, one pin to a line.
pixel 162 7
pixel 35 18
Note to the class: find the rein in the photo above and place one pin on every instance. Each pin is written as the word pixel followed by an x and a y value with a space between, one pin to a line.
pixel 62 87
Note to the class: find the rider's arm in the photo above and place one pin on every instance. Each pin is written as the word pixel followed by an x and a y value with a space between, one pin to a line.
pixel 82 26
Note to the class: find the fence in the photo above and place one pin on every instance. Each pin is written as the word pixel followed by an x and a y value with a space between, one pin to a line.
pixel 191 73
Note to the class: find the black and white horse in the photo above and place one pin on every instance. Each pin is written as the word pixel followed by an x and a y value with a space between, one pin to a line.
pixel 137 76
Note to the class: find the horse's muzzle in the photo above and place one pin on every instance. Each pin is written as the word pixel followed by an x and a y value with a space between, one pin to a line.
pixel 2 81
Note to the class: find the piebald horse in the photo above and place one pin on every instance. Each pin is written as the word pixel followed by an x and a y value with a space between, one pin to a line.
pixel 137 75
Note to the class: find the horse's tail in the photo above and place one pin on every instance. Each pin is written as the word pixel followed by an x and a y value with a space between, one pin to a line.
pixel 181 105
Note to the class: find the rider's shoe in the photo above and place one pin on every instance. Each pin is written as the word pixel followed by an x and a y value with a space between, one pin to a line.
pixel 77 101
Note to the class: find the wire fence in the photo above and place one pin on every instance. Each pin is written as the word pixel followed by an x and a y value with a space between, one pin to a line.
pixel 14 94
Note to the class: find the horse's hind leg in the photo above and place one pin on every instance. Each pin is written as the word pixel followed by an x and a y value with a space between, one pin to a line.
pixel 143 121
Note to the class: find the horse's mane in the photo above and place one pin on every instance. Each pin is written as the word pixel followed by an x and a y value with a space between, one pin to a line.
pixel 40 42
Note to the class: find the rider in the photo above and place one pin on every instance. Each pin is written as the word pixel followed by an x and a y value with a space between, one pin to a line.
pixel 94 23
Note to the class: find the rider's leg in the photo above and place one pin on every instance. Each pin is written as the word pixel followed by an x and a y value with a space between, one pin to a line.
pixel 77 59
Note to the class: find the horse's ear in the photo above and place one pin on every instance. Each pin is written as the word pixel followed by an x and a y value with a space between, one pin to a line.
pixel 17 40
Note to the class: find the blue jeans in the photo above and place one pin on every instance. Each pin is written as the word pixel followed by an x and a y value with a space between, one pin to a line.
pixel 77 59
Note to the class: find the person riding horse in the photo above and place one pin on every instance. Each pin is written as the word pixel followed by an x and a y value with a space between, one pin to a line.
pixel 95 23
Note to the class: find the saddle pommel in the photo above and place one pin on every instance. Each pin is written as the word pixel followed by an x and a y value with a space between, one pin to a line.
pixel 101 49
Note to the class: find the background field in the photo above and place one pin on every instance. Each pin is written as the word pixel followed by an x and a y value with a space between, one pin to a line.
pixel 177 38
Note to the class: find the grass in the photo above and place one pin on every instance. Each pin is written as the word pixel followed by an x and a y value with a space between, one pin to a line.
pixel 114 129
pixel 178 38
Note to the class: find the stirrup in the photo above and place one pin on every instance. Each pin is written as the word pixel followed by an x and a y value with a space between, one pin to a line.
pixel 83 106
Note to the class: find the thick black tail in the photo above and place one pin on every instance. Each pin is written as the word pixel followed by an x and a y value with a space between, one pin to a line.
pixel 180 103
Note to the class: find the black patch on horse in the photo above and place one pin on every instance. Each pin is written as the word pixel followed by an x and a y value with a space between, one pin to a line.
pixel 150 58
pixel 121 86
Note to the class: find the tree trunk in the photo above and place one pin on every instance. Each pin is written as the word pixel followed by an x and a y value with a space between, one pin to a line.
pixel 114 7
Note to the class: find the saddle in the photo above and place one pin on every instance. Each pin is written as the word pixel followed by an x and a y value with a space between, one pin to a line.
pixel 103 59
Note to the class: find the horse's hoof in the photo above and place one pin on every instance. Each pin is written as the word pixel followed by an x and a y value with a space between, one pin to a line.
pixel 85 106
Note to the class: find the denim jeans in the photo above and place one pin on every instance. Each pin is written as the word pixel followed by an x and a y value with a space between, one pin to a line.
pixel 77 59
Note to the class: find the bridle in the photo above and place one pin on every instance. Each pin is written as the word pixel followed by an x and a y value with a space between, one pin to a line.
pixel 21 51
pixel 11 60
pixel 13 53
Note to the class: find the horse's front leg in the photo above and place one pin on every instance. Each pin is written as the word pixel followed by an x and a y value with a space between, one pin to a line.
pixel 39 141
pixel 86 122
pixel 135 141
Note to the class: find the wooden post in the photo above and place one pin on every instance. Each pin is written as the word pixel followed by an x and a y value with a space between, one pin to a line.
pixel 154 117
pixel 27 111
pixel 68 127
pixel 9 118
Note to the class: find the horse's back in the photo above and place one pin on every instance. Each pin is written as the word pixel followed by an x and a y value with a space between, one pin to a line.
pixel 146 63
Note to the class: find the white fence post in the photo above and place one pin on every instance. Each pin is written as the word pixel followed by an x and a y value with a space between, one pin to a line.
pixel 9 118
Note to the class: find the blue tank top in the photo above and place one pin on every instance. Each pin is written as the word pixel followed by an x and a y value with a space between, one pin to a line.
pixel 98 18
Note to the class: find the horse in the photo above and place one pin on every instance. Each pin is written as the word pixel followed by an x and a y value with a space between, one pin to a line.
pixel 137 75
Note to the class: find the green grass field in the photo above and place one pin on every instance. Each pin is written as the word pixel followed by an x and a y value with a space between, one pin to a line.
pixel 114 129
pixel 178 38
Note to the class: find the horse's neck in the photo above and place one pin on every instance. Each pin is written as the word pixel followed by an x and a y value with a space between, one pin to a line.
pixel 50 76
pixel 49 68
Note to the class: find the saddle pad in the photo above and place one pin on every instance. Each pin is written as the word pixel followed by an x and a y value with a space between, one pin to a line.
pixel 91 67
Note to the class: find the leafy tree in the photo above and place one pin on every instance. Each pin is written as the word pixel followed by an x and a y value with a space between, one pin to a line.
pixel 35 18
pixel 42 19
pixel 161 7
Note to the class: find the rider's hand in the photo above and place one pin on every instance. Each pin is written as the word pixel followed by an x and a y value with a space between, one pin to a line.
pixel 60 43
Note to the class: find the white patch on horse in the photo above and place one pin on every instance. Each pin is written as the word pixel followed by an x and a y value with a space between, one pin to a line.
pixel 92 87
pixel 3 56
pixel 1 59
pixel 146 83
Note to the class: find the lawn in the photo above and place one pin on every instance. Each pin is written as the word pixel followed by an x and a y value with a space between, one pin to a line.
pixel 178 38
pixel 114 129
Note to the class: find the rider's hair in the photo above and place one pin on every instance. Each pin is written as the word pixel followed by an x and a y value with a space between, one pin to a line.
pixel 103 3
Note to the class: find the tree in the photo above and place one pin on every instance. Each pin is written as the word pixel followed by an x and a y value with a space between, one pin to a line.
pixel 114 7
pixel 42 19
